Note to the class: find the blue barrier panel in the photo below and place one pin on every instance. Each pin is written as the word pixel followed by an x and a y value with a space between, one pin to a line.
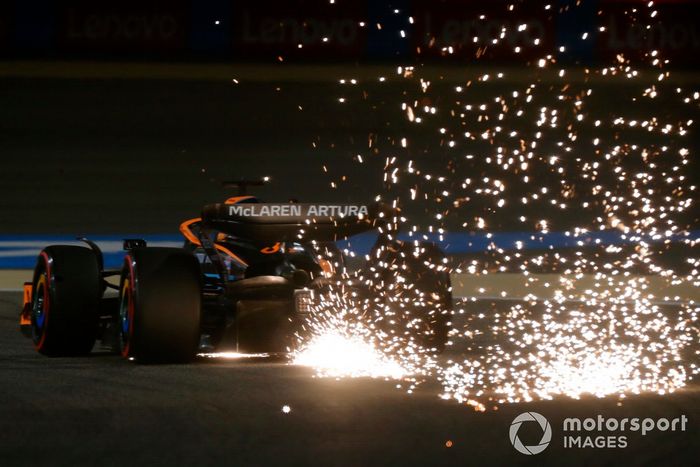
pixel 20 251
pixel 466 243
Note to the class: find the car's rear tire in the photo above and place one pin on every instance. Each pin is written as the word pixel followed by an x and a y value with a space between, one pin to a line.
pixel 160 305
pixel 66 291
pixel 414 282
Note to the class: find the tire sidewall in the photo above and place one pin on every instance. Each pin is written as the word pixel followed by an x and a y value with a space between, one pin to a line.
pixel 42 269
pixel 127 341
pixel 73 290
pixel 165 287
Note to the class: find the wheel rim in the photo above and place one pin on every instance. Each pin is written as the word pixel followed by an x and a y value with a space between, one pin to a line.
pixel 126 317
pixel 40 310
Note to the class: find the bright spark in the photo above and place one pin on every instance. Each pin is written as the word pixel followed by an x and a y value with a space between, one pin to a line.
pixel 334 355
pixel 555 160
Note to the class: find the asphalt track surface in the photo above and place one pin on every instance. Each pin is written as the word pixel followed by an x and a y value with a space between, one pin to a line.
pixel 102 410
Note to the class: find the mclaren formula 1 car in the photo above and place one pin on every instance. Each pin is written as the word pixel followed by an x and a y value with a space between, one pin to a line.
pixel 245 280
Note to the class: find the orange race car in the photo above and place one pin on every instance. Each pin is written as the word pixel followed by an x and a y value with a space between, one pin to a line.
pixel 245 278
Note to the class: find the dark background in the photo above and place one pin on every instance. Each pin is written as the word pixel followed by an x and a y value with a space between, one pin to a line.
pixel 125 117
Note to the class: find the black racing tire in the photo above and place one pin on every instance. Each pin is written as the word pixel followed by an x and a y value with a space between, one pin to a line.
pixel 67 288
pixel 160 305
pixel 425 292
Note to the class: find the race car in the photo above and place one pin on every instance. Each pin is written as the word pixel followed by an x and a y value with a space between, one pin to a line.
pixel 245 280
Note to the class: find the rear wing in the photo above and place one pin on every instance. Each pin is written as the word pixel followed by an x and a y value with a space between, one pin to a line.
pixel 274 222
